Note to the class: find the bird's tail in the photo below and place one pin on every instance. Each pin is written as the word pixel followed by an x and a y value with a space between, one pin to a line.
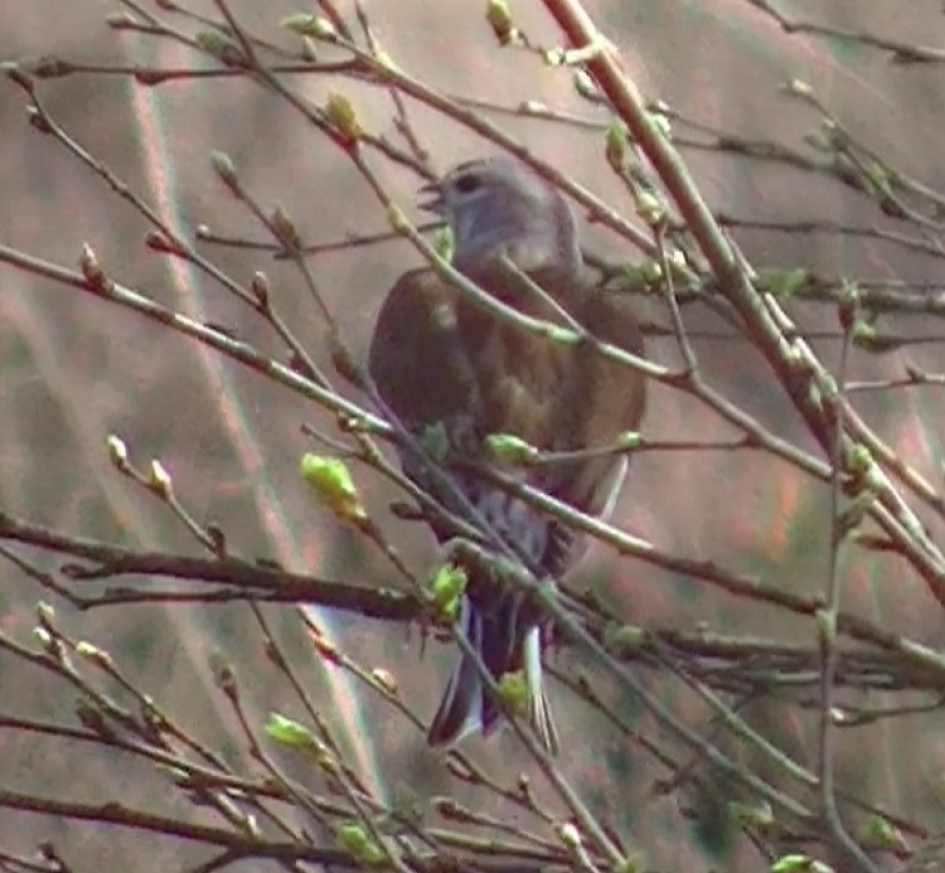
pixel 507 638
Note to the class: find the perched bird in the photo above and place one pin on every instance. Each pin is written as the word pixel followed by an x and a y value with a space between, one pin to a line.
pixel 438 358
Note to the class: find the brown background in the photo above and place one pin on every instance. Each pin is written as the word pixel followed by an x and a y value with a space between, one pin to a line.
pixel 73 370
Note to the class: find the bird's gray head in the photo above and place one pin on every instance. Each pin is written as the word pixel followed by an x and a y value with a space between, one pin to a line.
pixel 499 206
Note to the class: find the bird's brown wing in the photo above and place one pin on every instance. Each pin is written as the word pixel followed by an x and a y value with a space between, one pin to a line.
pixel 416 357
pixel 598 401
pixel 559 397
pixel 600 398
pixel 436 357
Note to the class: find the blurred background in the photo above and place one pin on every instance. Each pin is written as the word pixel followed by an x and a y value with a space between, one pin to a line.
pixel 75 370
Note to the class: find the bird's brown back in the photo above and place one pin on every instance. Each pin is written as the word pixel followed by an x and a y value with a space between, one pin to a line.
pixel 505 379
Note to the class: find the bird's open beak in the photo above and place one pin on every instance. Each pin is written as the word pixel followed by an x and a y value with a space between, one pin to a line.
pixel 430 198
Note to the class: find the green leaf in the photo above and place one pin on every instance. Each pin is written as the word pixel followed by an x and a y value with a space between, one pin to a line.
pixel 616 144
pixel 342 113
pixel 331 481
pixel 500 20
pixel 623 640
pixel 511 449
pixel 782 283
pixel 757 815
pixel 224 167
pixel 354 838
pixel 513 690
pixel 289 732
pixel 882 833
pixel 436 441
pixel 305 24
pixel 799 863
pixel 858 459
pixel 448 586
pixel 218 46
pixel 444 245
pixel 866 337
pixel 879 186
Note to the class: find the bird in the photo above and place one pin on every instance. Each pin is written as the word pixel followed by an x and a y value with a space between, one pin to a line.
pixel 439 358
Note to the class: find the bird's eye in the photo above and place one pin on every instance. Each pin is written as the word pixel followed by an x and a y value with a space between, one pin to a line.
pixel 467 183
